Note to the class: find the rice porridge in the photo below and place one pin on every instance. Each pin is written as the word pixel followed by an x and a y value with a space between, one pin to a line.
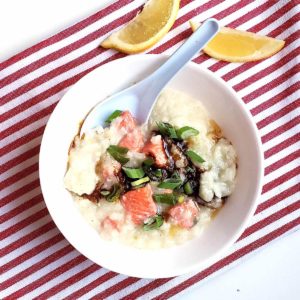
pixel 152 185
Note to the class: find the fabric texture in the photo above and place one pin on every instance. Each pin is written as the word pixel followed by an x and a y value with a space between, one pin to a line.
pixel 36 260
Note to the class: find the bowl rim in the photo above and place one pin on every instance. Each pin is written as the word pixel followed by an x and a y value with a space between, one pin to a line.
pixel 258 187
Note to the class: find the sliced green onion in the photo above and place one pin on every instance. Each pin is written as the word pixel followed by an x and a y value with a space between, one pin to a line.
pixel 114 194
pixel 194 157
pixel 118 153
pixel 188 189
pixel 113 116
pixel 148 162
pixel 140 181
pixel 117 149
pixel 134 172
pixel 170 199
pixel 167 130
pixel 153 223
pixel 171 183
pixel 175 175
pixel 186 132
pixel 104 193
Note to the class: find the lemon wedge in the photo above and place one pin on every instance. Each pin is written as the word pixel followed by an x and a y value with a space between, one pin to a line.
pixel 240 46
pixel 146 29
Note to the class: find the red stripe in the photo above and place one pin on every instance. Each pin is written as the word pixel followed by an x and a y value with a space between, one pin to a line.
pixel 62 69
pixel 279 114
pixel 270 219
pixel 18 176
pixel 279 180
pixel 31 253
pixel 68 282
pixel 282 162
pixel 277 198
pixel 92 285
pixel 276 99
pixel 282 145
pixel 27 238
pixel 67 49
pixel 275 81
pixel 21 208
pixel 59 53
pixel 227 260
pixel 117 287
pixel 281 129
pixel 32 269
pixel 53 274
pixel 19 192
pixel 20 159
pixel 65 33
pixel 24 223
pixel 22 140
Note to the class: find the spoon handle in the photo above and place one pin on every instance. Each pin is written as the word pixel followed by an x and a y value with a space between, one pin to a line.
pixel 159 78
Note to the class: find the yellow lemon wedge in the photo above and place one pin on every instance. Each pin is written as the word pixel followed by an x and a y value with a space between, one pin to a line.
pixel 146 29
pixel 240 46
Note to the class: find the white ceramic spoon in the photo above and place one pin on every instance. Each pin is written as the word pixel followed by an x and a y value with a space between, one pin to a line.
pixel 140 98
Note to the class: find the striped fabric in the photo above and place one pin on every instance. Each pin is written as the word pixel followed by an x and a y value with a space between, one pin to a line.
pixel 36 261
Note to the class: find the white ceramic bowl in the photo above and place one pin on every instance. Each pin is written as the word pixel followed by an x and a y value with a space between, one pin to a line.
pixel 223 105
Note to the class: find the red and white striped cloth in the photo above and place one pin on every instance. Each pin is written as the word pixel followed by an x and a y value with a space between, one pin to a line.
pixel 36 260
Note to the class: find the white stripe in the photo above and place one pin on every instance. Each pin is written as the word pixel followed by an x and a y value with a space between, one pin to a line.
pixel 24 197
pixel 282 154
pixel 36 259
pixel 278 106
pixel 275 191
pixel 279 122
pixel 281 137
pixel 57 280
pixel 20 167
pixel 19 184
pixel 23 215
pixel 23 249
pixel 275 208
pixel 23 131
pixel 26 230
pixel 38 274
pixel 72 38
pixel 21 149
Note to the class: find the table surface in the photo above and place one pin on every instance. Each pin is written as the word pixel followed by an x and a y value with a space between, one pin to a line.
pixel 272 272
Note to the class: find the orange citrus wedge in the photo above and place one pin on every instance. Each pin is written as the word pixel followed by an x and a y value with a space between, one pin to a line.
pixel 240 46
pixel 146 29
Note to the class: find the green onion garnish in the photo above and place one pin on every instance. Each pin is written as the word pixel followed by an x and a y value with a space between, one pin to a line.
pixel 194 157
pixel 118 153
pixel 153 223
pixel 171 183
pixel 188 189
pixel 140 181
pixel 170 199
pixel 186 132
pixel 134 172
pixel 114 115
pixel 114 195
pixel 167 130
pixel 149 161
